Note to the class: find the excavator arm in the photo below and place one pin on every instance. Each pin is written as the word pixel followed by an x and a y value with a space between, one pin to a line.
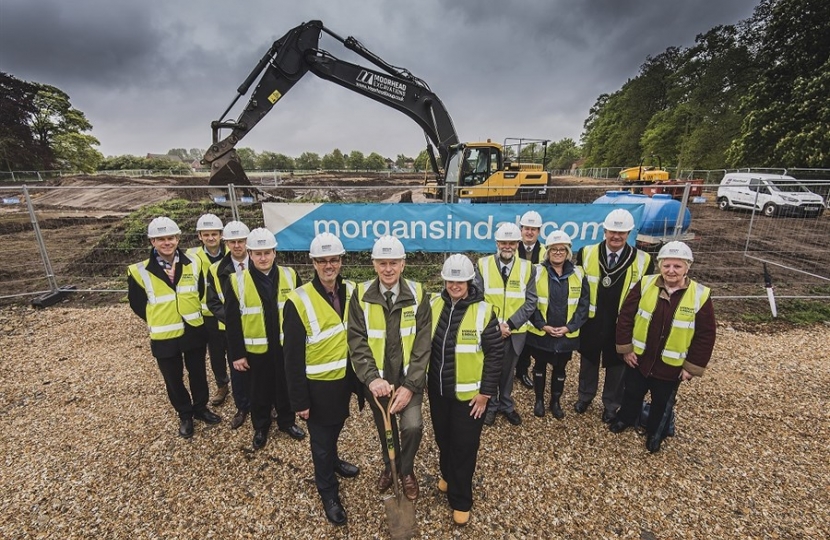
pixel 297 53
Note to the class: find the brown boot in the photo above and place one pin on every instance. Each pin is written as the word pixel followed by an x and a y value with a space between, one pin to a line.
pixel 385 480
pixel 460 518
pixel 221 394
pixel 410 486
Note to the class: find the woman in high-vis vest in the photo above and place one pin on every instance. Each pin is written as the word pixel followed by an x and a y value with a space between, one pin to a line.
pixel 666 334
pixel 464 370
pixel 562 309
pixel 165 290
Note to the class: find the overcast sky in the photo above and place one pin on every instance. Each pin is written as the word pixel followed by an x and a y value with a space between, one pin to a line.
pixel 151 74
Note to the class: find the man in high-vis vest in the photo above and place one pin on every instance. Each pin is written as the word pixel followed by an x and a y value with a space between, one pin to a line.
pixel 165 290
pixel 209 228
pixel 254 300
pixel 320 377
pixel 389 344
pixel 530 249
pixel 234 236
pixel 612 268
pixel 666 334
pixel 509 284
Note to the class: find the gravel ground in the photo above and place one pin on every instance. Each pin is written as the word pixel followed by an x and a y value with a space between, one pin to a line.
pixel 91 451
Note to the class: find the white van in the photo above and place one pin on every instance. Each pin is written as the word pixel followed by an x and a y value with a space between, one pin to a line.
pixel 772 194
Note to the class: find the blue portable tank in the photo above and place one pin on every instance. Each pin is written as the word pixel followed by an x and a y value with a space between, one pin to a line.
pixel 659 214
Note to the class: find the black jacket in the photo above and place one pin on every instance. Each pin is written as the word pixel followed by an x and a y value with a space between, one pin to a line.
pixel 534 256
pixel 223 270
pixel 441 374
pixel 557 312
pixel 194 336
pixel 327 401
pixel 599 333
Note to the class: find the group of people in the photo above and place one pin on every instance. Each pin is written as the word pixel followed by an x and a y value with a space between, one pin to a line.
pixel 297 349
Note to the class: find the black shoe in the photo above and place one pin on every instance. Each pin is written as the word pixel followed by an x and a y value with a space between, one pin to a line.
pixel 618 426
pixel 526 381
pixel 260 438
pixel 581 406
pixel 185 428
pixel 653 443
pixel 539 408
pixel 238 419
pixel 513 417
pixel 556 409
pixel 346 469
pixel 294 432
pixel 207 417
pixel 608 416
pixel 489 418
pixel 335 512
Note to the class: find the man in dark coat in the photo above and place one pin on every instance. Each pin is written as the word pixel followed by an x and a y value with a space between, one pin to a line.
pixel 320 377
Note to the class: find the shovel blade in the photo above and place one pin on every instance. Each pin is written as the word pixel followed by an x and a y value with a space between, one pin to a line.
pixel 400 515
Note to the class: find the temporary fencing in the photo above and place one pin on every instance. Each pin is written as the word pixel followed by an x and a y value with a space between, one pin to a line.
pixel 78 237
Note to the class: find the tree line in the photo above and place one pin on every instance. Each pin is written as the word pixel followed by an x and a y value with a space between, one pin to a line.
pixel 752 94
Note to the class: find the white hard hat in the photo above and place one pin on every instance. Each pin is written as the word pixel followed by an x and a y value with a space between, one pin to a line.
pixel 162 226
pixel 388 247
pixel 557 237
pixel 508 232
pixel 676 250
pixel 531 219
pixel 208 222
pixel 619 220
pixel 235 230
pixel 326 245
pixel 458 267
pixel 261 238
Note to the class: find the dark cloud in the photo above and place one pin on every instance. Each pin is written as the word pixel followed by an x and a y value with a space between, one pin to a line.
pixel 151 75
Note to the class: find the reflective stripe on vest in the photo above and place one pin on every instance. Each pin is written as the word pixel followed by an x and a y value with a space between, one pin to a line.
pixel 633 274
pixel 250 307
pixel 543 290
pixel 204 262
pixel 376 324
pixel 213 275
pixel 166 313
pixel 326 350
pixel 683 323
pixel 508 298
pixel 469 357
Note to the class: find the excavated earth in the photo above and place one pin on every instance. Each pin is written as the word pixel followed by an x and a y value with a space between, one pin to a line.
pixel 91 450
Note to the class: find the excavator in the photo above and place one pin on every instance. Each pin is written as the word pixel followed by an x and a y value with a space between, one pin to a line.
pixel 484 171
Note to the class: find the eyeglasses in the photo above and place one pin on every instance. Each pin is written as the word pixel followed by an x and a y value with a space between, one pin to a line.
pixel 326 262
pixel 557 250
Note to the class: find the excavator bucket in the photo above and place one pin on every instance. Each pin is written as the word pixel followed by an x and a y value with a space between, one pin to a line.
pixel 228 170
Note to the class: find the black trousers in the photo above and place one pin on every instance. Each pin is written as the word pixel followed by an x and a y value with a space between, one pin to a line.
pixel 523 363
pixel 636 386
pixel 172 370
pixel 458 436
pixel 217 347
pixel 269 390
pixel 324 456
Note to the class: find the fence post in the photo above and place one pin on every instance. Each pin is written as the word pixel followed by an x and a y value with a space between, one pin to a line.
pixel 232 200
pixel 681 214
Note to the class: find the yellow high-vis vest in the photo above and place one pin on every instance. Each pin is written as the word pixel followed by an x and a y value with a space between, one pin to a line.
pixel 682 326
pixel 633 274
pixel 167 310
pixel 376 324
pixel 507 298
pixel 327 349
pixel 543 290
pixel 199 252
pixel 250 306
pixel 469 356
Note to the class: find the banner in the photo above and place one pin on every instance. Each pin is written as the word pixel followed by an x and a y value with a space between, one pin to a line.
pixel 432 227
